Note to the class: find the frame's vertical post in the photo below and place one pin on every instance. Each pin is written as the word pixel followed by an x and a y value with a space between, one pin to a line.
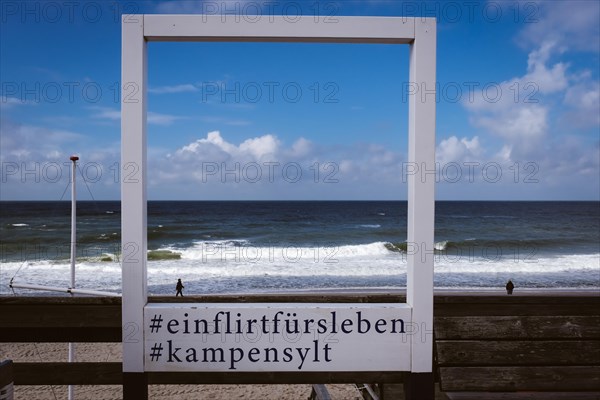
pixel 133 203
pixel 421 206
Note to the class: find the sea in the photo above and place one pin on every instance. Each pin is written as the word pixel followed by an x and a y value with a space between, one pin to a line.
pixel 266 246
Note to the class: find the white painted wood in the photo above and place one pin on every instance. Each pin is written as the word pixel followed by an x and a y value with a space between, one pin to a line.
pixel 419 32
pixel 71 356
pixel 421 195
pixel 133 189
pixel 264 337
pixel 269 28
pixel 73 219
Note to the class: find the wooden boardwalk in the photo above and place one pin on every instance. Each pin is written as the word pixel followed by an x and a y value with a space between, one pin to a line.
pixel 490 343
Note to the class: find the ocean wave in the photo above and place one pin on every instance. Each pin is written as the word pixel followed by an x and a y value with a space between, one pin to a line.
pixel 402 247
pixel 525 245
pixel 246 276
pixel 214 249
pixel 244 250
pixel 163 254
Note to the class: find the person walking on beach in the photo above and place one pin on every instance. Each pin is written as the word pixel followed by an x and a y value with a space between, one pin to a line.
pixel 179 288
pixel 509 287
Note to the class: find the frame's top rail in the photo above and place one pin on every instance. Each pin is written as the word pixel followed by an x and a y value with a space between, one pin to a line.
pixel 272 28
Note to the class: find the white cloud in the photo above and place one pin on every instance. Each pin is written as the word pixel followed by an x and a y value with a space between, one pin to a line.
pixel 525 90
pixel 521 125
pixel 21 142
pixel 458 150
pixel 583 102
pixel 106 113
pixel 521 114
pixel 39 163
pixel 301 148
pixel 260 148
pixel 10 102
pixel 547 80
pixel 208 167
pixel 111 114
pixel 542 114
pixel 162 119
pixel 174 89
pixel 571 24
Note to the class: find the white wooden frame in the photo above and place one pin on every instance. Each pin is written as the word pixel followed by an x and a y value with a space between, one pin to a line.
pixel 419 33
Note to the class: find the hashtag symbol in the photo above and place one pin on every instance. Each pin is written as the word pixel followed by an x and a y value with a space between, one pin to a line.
pixel 156 351
pixel 156 323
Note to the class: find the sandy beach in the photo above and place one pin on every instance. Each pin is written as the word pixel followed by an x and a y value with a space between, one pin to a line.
pixel 105 352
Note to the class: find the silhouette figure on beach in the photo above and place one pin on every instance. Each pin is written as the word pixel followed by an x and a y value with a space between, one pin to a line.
pixel 509 287
pixel 179 288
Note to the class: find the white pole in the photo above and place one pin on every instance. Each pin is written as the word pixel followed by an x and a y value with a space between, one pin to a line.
pixel 73 253
pixel 73 219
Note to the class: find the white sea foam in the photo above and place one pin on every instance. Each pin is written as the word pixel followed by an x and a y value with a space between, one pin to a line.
pixel 242 250
pixel 19 225
pixel 440 246
pixel 306 267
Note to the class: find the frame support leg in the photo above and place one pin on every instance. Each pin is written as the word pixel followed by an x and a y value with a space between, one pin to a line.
pixel 135 386
pixel 419 386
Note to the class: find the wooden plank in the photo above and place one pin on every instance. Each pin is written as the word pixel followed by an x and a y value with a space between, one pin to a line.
pixel 546 297
pixel 528 297
pixel 506 379
pixel 521 327
pixel 60 315
pixel 110 373
pixel 511 309
pixel 103 313
pixel 226 378
pixel 344 297
pixel 40 300
pixel 64 373
pixel 61 335
pixel 469 303
pixel 487 353
pixel 559 304
pixel 523 395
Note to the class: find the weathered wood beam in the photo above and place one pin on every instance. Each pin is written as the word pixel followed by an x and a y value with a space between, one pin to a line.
pixel 517 378
pixel 509 352
pixel 64 373
pixel 519 327
pixel 523 395
pixel 110 373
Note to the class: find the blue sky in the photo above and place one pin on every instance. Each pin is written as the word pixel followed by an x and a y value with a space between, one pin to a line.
pixel 518 113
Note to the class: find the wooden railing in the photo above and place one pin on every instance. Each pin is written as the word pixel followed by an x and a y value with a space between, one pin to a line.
pixel 483 342
pixel 520 348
